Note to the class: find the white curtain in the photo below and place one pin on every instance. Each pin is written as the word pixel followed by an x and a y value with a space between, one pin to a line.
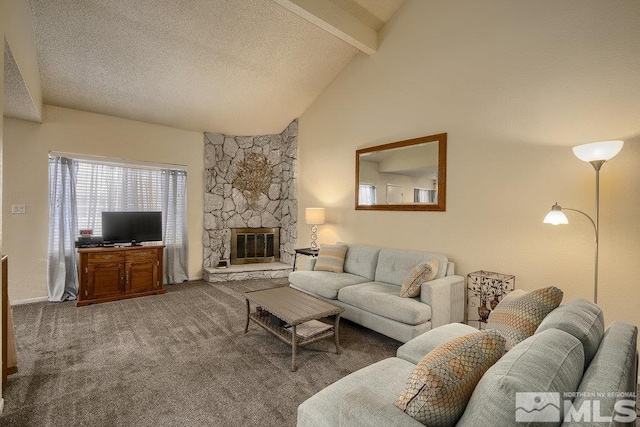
pixel 63 228
pixel 174 201
pixel 367 194
pixel 422 195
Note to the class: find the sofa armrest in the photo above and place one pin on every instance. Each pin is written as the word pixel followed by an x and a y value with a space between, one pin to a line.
pixel 362 407
pixel 445 296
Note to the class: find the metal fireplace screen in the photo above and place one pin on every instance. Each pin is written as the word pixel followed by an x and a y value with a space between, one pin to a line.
pixel 252 245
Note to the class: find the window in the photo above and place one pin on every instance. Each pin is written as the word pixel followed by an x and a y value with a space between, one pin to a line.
pixel 367 194
pixel 423 195
pixel 80 190
pixel 114 188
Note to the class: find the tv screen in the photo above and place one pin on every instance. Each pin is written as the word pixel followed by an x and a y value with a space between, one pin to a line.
pixel 131 227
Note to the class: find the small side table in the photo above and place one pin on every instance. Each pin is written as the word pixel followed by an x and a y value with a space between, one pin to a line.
pixel 485 289
pixel 304 251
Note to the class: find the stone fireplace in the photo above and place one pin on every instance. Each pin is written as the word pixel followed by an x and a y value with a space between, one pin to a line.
pixel 232 200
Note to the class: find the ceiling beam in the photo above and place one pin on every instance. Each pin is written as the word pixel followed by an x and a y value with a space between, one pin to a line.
pixel 336 21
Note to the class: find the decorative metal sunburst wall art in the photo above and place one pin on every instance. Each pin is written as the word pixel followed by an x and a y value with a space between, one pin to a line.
pixel 253 177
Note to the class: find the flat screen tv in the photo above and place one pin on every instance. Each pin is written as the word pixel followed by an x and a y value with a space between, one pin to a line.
pixel 131 227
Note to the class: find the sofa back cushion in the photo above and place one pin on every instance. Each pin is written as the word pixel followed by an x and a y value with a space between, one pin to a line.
pixel 394 264
pixel 519 315
pixel 361 260
pixel 541 366
pixel 441 384
pixel 612 375
pixel 582 319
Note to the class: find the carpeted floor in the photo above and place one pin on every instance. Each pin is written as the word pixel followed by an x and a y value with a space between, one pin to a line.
pixel 178 359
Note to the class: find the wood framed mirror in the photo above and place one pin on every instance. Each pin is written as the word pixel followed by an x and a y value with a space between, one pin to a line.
pixel 403 176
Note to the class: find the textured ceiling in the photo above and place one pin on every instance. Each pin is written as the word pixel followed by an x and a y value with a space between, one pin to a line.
pixel 239 67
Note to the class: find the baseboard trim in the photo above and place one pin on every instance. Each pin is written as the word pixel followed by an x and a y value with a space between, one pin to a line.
pixel 30 301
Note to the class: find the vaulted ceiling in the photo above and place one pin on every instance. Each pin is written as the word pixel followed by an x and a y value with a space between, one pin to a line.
pixel 239 67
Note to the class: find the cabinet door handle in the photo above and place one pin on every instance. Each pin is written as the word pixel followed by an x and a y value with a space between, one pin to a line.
pixel 107 256
pixel 141 254
pixel 127 277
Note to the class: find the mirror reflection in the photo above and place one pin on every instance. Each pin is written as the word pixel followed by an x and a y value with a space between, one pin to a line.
pixel 404 175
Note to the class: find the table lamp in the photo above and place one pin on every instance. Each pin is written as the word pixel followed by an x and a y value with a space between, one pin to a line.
pixel 314 217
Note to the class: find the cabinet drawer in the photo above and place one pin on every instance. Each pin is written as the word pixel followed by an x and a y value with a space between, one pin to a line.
pixel 106 257
pixel 141 255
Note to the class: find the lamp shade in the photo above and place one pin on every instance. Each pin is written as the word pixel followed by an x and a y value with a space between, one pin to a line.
pixel 314 216
pixel 595 151
pixel 555 216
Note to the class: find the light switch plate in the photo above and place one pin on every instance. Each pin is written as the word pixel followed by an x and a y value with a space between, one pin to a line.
pixel 18 209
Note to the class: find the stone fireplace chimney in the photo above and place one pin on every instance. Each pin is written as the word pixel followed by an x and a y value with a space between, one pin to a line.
pixel 227 207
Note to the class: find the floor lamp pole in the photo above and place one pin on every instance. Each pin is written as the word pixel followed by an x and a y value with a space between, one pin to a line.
pixel 595 285
pixel 597 164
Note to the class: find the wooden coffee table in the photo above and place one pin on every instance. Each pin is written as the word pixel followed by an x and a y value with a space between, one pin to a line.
pixel 293 307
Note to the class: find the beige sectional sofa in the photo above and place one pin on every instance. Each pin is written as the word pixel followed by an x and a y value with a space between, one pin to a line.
pixel 570 356
pixel 369 290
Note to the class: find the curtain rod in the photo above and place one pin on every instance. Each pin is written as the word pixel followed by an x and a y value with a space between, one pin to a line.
pixel 117 161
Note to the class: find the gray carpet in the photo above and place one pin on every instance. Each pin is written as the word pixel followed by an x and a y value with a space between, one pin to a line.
pixel 175 359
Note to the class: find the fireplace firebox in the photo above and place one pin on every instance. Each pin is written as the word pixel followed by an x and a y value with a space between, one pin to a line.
pixel 254 245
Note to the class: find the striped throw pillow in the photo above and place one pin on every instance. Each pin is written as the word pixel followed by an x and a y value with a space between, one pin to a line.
pixel 518 316
pixel 423 272
pixel 442 383
pixel 331 258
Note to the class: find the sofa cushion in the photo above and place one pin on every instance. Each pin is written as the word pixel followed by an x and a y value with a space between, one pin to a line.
pixel 363 407
pixel 612 371
pixel 331 258
pixel 361 260
pixel 386 377
pixel 441 384
pixel 549 362
pixel 518 317
pixel 382 299
pixel 414 350
pixel 394 265
pixel 323 283
pixel 423 272
pixel 582 319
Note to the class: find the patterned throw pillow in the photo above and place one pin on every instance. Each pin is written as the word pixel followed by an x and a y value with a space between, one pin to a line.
pixel 518 316
pixel 331 258
pixel 423 272
pixel 442 383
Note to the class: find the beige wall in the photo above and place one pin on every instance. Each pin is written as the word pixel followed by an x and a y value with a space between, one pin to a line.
pixel 27 146
pixel 515 85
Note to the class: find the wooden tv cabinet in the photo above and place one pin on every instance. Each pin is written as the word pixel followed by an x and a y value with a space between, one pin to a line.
pixel 114 273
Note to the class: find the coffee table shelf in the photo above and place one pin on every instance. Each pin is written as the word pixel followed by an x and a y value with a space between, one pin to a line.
pixel 284 334
pixel 293 307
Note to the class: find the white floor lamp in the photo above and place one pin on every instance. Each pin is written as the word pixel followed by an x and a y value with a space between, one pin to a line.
pixel 596 153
